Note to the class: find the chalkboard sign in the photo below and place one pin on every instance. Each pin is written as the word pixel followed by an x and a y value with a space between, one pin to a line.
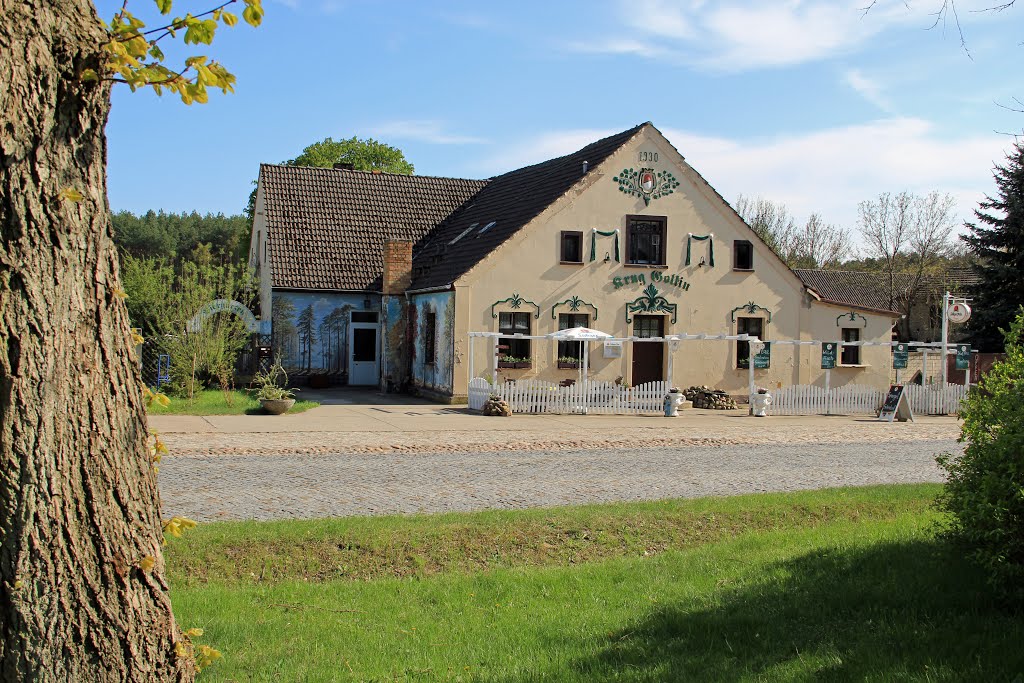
pixel 900 354
pixel 828 355
pixel 963 356
pixel 763 358
pixel 896 405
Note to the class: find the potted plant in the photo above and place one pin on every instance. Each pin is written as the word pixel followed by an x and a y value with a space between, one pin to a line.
pixel 271 390
pixel 568 363
pixel 507 361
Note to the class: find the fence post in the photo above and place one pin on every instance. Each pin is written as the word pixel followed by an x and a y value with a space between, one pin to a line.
pixel 828 391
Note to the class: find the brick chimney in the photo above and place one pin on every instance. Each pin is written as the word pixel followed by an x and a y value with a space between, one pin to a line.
pixel 397 266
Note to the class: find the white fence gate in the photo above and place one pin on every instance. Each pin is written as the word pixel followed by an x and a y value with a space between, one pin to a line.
pixel 855 399
pixel 536 396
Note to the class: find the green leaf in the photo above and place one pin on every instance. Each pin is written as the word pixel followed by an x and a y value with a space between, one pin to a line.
pixel 164 6
pixel 71 194
pixel 253 13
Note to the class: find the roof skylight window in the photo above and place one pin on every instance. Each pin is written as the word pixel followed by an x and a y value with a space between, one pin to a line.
pixel 463 234
pixel 487 227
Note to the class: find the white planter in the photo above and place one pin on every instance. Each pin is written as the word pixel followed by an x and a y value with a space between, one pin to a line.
pixel 672 401
pixel 759 404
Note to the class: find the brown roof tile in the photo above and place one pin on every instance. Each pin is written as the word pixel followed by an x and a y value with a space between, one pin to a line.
pixel 509 201
pixel 870 289
pixel 326 227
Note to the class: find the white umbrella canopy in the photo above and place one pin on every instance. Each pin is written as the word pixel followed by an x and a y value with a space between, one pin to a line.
pixel 579 334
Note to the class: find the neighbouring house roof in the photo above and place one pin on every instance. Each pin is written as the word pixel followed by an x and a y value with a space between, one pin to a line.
pixel 870 289
pixel 326 227
pixel 500 209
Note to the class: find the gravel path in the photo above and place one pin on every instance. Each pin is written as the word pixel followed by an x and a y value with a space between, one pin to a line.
pixel 226 486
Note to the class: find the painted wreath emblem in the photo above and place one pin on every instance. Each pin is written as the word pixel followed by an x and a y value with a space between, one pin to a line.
pixel 646 183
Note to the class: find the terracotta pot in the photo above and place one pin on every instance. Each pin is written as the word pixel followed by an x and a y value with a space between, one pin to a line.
pixel 277 406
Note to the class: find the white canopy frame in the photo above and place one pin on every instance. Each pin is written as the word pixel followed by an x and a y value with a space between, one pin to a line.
pixel 674 340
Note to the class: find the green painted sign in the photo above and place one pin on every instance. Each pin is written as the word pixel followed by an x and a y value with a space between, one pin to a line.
pixel 900 354
pixel 828 355
pixel 763 359
pixel 963 356
pixel 663 279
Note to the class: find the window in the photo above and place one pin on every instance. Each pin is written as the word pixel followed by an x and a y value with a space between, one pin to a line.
pixel 364 316
pixel 429 337
pixel 571 349
pixel 513 323
pixel 572 246
pixel 648 326
pixel 645 240
pixel 755 328
pixel 851 354
pixel 742 255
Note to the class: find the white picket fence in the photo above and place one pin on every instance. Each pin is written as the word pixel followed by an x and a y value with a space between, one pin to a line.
pixel 536 396
pixel 854 399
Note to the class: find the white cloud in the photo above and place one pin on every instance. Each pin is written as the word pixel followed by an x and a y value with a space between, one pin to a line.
pixel 868 88
pixel 744 34
pixel 619 46
pixel 830 171
pixel 423 131
pixel 541 148
pixel 660 17
pixel 827 171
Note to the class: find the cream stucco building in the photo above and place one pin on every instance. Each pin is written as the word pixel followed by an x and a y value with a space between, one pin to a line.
pixel 379 279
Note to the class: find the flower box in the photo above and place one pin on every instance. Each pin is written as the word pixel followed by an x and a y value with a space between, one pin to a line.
pixel 515 364
pixel 568 365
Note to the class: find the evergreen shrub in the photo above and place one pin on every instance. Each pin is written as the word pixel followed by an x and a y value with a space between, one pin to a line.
pixel 984 494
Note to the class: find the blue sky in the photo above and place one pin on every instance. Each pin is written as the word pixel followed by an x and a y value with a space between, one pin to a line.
pixel 812 103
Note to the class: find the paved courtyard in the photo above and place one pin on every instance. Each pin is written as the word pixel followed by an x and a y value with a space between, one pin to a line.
pixel 363 459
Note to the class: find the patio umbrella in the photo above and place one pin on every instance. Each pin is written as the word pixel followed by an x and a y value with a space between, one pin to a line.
pixel 580 334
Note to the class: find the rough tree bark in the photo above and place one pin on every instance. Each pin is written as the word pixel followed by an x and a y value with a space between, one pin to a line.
pixel 78 496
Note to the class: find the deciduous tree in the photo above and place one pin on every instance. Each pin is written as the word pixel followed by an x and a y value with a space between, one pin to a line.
pixel 908 234
pixel 364 155
pixel 815 245
pixel 83 596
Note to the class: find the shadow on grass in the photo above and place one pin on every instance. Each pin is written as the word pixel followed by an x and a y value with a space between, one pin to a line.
pixel 903 611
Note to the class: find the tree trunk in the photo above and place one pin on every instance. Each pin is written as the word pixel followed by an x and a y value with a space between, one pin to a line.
pixel 78 499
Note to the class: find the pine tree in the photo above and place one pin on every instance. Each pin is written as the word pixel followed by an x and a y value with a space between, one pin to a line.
pixel 997 239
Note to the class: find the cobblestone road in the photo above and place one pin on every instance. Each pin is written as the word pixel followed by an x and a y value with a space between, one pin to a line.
pixel 209 487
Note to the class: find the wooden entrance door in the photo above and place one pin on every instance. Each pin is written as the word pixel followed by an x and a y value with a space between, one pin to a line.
pixel 648 356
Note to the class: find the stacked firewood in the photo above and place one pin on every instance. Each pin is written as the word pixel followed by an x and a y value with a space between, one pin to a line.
pixel 497 406
pixel 710 399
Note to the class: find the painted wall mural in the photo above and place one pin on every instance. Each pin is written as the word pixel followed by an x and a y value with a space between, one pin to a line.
pixel 437 375
pixel 310 330
pixel 396 341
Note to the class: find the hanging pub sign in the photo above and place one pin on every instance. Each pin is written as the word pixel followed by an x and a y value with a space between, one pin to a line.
pixel 763 358
pixel 828 355
pixel 958 313
pixel 896 405
pixel 963 356
pixel 900 355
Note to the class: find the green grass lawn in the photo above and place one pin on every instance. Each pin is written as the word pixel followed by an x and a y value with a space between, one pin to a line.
pixel 213 402
pixel 847 584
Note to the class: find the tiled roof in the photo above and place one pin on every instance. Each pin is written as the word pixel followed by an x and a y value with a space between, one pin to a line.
pixel 506 204
pixel 870 289
pixel 327 227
